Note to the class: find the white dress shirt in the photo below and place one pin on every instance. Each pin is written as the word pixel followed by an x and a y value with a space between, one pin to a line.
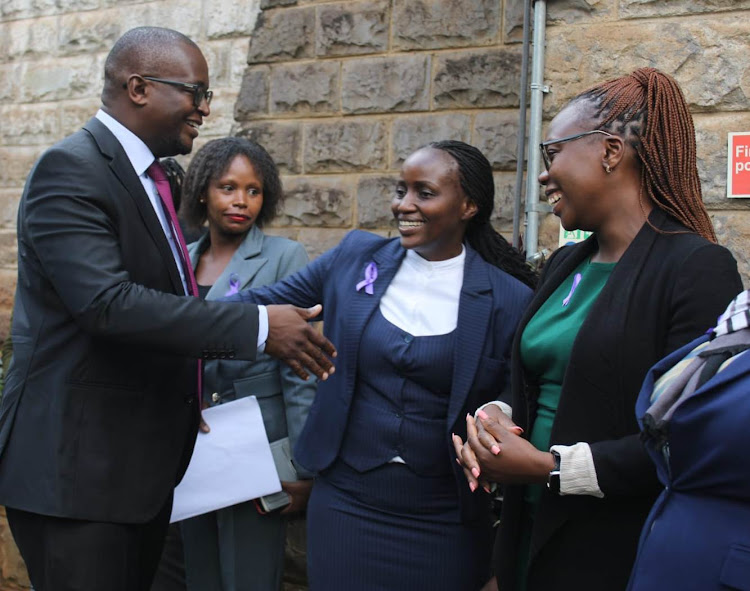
pixel 422 298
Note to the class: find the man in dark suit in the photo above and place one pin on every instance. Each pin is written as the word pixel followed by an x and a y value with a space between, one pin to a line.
pixel 100 410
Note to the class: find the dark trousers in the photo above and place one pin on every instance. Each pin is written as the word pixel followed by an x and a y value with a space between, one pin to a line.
pixel 72 555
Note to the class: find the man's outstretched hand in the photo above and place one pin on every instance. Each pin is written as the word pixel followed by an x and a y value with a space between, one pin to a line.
pixel 293 340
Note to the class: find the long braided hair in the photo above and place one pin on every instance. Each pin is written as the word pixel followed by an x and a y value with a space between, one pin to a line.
pixel 647 108
pixel 475 176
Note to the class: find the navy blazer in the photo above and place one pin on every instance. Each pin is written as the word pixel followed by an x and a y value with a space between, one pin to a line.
pixel 697 535
pixel 490 306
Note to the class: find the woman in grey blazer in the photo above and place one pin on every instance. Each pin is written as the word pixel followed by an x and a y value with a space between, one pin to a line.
pixel 234 185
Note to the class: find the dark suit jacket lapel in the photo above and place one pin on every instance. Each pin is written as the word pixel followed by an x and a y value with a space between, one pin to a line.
pixel 474 308
pixel 610 310
pixel 123 170
pixel 362 305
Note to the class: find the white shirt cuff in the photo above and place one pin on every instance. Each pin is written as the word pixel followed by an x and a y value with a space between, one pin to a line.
pixel 262 328
pixel 577 471
pixel 506 408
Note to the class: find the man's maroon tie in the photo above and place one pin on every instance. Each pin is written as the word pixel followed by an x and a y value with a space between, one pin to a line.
pixel 157 174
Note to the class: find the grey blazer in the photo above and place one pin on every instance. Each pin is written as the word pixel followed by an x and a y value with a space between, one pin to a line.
pixel 284 398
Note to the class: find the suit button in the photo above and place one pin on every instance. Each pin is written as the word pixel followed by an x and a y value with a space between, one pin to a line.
pixel 189 399
pixel 215 397
pixel 408 338
pixel 231 355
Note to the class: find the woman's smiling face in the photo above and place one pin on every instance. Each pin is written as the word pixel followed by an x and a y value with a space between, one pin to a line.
pixel 430 206
pixel 574 183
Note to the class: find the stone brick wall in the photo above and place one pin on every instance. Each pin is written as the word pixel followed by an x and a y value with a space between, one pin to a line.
pixel 341 92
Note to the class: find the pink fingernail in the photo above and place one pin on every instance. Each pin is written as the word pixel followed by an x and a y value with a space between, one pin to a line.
pixel 517 429
pixel 475 472
pixel 482 415
pixel 472 486
pixel 495 449
pixel 487 490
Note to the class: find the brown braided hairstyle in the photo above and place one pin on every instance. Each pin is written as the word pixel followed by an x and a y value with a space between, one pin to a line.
pixel 647 108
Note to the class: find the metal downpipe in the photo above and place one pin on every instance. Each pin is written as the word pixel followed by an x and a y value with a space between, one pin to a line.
pixel 535 129
pixel 521 143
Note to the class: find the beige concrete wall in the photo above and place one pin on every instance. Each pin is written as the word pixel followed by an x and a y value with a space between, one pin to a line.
pixel 340 92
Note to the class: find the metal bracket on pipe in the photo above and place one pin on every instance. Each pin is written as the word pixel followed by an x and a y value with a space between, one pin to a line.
pixel 539 207
pixel 543 87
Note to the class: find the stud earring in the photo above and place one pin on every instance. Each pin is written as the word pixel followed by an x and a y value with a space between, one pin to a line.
pixel 607 168
pixel 201 200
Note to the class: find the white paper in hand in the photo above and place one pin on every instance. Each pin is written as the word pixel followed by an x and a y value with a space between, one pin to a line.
pixel 231 464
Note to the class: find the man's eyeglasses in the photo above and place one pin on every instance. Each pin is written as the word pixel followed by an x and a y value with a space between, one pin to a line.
pixel 570 138
pixel 199 91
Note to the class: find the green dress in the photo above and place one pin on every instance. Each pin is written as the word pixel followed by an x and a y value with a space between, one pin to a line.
pixel 546 343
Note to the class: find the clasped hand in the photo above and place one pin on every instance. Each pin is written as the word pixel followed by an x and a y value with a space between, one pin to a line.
pixel 300 345
pixel 494 451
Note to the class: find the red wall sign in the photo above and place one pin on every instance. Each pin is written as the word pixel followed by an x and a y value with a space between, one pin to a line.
pixel 738 164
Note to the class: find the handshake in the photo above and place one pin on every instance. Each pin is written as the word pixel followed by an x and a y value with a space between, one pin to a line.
pixel 293 340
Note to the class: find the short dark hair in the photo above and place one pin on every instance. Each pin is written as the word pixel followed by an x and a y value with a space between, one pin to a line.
pixel 136 49
pixel 212 160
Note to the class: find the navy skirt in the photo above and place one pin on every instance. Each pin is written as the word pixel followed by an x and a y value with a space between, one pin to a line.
pixel 390 529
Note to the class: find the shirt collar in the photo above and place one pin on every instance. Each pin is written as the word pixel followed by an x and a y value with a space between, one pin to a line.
pixel 137 152
pixel 447 265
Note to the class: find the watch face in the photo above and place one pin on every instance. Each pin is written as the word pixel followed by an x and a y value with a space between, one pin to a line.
pixel 553 480
pixel 553 483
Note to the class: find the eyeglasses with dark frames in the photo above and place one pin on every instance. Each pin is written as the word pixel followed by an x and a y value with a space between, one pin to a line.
pixel 199 91
pixel 543 146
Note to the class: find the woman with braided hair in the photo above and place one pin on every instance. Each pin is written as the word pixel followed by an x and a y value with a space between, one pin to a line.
pixel 620 162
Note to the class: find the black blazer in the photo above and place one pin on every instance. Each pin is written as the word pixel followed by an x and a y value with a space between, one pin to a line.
pixel 99 415
pixel 667 289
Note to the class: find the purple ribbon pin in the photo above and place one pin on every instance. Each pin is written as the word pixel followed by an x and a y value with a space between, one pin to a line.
pixel 576 281
pixel 234 284
pixel 371 274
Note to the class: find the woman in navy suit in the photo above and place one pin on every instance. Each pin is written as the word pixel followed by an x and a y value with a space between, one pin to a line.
pixel 233 184
pixel 694 410
pixel 423 326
